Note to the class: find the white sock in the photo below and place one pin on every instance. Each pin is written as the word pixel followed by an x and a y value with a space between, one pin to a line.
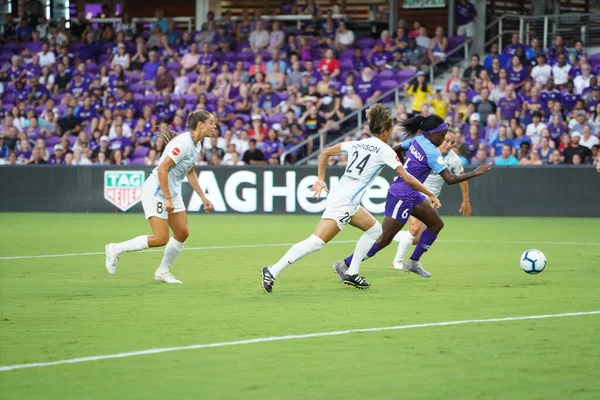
pixel 404 239
pixel 363 246
pixel 296 252
pixel 172 250
pixel 135 244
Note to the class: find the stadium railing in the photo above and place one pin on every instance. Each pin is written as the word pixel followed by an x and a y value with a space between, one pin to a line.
pixel 355 119
pixel 572 26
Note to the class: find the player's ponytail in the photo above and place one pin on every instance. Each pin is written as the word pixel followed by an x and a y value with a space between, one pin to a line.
pixel 380 119
pixel 413 125
pixel 197 116
pixel 165 133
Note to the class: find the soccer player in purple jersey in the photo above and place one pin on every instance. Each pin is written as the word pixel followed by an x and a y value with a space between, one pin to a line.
pixel 425 134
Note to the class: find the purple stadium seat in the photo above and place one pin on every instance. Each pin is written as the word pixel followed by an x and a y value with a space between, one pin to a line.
pixel 62 108
pixel 135 77
pixel 5 58
pixel 137 88
pixel 7 107
pixel 313 43
pixel 229 56
pixel 365 42
pixel 51 141
pixel 386 74
pixel 283 96
pixel 192 76
pixel 453 43
pixel 594 59
pixel 103 59
pixel 138 96
pixel 266 55
pixel 247 56
pixel 274 119
pixel 190 98
pixel 40 109
pixel 211 97
pixel 9 88
pixel 348 53
pixel 173 66
pixel 346 64
pixel 140 151
pixel 241 46
pixel 72 140
pixel 244 117
pixel 388 85
pixel 8 98
pixel 137 161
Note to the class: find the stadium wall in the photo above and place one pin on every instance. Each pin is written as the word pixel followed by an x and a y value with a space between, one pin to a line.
pixel 522 191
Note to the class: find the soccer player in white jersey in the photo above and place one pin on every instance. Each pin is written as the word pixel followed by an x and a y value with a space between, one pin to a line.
pixel 366 159
pixel 434 182
pixel 161 196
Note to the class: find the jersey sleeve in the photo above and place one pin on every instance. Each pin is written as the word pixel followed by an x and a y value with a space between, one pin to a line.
pixel 435 159
pixel 178 150
pixel 390 158
pixel 346 146
pixel 406 143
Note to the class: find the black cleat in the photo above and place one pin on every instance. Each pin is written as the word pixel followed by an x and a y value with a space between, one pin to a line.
pixel 357 281
pixel 268 280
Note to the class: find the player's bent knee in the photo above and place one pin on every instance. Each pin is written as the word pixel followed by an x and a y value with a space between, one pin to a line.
pixel 182 235
pixel 375 231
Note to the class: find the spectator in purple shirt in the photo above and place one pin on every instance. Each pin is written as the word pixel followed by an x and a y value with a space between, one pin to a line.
pixel 78 87
pixel 88 114
pixel 465 17
pixel 58 157
pixel 39 93
pixel 359 61
pixel 315 77
pixel 150 68
pixel 272 147
pixel 510 50
pixel 24 31
pixel 557 49
pixel 269 101
pixel 518 75
pixel 207 58
pixel 368 88
pixel 90 49
pixel 508 107
pixel 380 59
pixel 34 68
pixel 15 71
pixel 120 142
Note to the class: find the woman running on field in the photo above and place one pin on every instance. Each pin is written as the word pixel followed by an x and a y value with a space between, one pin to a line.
pixel 366 159
pixel 434 182
pixel 161 196
pixel 422 157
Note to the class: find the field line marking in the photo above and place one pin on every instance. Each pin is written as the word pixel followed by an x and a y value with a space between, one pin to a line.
pixel 287 337
pixel 250 246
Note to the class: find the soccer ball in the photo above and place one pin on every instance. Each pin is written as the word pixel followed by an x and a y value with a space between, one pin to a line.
pixel 533 261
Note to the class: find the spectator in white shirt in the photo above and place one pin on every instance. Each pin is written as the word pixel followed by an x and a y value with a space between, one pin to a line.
pixel 581 122
pixel 583 81
pixel 121 58
pixel 43 28
pixel 534 129
pixel 259 39
pixel 423 40
pixel 344 38
pixel 499 92
pixel 47 57
pixel 588 140
pixel 542 71
pixel 125 127
pixel 561 71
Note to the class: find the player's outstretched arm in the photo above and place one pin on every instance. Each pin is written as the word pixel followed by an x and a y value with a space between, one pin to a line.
pixel 451 179
pixel 193 180
pixel 414 183
pixel 320 184
pixel 163 180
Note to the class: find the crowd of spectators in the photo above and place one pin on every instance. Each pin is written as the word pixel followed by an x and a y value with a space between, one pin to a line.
pixel 521 105
pixel 94 93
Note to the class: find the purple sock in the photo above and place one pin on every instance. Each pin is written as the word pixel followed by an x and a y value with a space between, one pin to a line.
pixel 425 242
pixel 372 251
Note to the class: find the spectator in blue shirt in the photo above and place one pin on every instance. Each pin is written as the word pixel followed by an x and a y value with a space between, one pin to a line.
pixel 494 53
pixel 150 68
pixel 24 31
pixel 506 158
pixel 269 101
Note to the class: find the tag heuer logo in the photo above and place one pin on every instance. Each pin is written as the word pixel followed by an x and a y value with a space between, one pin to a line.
pixel 123 188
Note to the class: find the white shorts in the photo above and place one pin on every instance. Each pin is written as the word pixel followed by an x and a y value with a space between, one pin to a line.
pixel 155 207
pixel 440 55
pixel 340 210
pixel 467 30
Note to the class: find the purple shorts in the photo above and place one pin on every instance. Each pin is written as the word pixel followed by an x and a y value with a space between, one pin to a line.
pixel 401 208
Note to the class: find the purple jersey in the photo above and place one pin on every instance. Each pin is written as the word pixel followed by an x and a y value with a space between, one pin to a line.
pixel 77 89
pixel 516 77
pixel 206 59
pixel 366 89
pixel 381 59
pixel 87 114
pixel 422 157
pixel 465 13
pixel 508 108
pixel 53 160
pixel 23 157
pixel 119 143
pixel 271 147
pixel 359 63
pixel 14 73
pixel 546 95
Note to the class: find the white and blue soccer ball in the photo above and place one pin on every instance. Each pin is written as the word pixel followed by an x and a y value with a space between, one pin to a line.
pixel 533 261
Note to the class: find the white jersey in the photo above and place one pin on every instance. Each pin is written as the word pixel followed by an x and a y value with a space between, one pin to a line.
pixel 366 159
pixel 183 152
pixel 434 182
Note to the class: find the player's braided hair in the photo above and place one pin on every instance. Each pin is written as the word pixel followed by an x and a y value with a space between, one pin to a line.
pixel 380 119
pixel 419 123
pixel 165 133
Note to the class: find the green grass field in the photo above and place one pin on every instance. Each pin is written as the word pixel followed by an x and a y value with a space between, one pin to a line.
pixel 57 308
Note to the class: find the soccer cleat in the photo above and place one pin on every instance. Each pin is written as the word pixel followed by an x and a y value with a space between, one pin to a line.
pixel 340 269
pixel 167 277
pixel 111 259
pixel 397 264
pixel 357 281
pixel 268 280
pixel 416 268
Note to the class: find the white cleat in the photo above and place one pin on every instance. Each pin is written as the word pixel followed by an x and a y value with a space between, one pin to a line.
pixel 397 265
pixel 111 259
pixel 416 268
pixel 166 278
